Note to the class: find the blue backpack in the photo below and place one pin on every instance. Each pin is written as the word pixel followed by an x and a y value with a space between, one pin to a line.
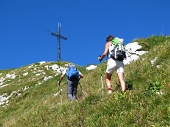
pixel 72 73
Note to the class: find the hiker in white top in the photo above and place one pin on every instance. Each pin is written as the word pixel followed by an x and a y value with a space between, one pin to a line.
pixel 112 65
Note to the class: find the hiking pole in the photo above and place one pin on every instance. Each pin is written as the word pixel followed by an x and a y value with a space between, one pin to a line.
pixel 82 90
pixel 101 79
pixel 60 94
pixel 60 90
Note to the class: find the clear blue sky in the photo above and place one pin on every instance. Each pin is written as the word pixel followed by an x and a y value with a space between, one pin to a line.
pixel 86 24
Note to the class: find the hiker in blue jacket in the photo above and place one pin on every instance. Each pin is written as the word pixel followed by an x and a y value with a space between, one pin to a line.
pixel 73 77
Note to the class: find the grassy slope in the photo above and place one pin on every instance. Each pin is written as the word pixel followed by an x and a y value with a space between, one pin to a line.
pixel 37 106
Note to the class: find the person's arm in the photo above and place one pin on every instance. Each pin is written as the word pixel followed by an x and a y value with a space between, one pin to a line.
pixel 61 77
pixel 80 74
pixel 105 52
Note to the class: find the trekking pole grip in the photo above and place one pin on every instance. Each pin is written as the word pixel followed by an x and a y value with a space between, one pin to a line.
pixel 100 59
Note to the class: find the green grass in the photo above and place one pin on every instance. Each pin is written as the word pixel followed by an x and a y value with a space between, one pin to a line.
pixel 142 106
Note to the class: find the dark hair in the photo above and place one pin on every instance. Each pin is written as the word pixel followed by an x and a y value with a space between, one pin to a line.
pixel 109 38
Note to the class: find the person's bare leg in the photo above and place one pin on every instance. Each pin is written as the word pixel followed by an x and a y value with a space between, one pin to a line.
pixel 122 81
pixel 108 83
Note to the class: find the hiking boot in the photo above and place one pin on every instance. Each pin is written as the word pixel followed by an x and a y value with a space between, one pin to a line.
pixel 109 91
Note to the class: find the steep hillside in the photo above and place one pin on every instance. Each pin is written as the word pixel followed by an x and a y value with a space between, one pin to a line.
pixel 32 96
